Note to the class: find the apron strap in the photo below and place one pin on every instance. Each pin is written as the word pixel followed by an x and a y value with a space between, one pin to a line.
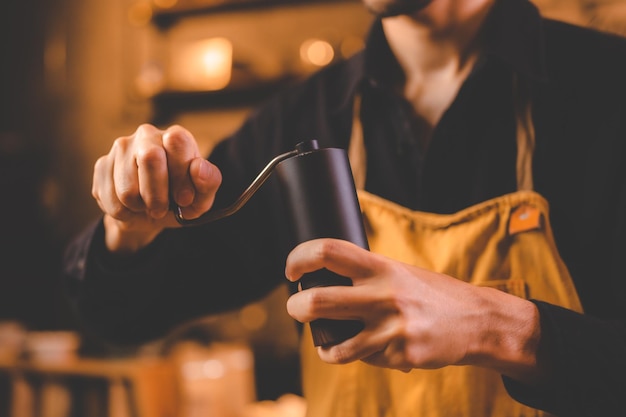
pixel 525 132
pixel 357 154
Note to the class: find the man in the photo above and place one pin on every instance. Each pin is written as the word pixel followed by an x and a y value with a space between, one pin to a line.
pixel 487 134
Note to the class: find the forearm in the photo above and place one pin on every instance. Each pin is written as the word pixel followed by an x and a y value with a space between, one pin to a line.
pixel 111 294
pixel 551 358
pixel 183 274
pixel 509 338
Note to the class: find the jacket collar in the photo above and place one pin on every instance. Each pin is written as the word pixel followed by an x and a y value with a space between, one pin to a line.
pixel 514 34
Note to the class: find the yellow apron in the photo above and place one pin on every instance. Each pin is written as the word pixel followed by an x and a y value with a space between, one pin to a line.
pixel 506 243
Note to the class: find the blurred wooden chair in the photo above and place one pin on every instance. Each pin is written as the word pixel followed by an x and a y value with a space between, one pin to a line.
pixel 71 386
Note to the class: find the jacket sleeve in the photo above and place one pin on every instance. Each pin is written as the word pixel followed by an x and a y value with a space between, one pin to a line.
pixel 186 272
pixel 112 298
pixel 588 360
pixel 587 352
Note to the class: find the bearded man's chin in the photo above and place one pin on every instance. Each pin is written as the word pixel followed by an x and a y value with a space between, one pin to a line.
pixel 388 8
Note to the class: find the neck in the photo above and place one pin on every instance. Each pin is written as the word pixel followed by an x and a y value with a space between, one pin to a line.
pixel 436 49
pixel 442 35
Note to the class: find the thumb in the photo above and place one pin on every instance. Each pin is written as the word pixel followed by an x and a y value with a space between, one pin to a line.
pixel 206 179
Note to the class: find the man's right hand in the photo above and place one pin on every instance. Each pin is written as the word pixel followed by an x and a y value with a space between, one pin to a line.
pixel 139 177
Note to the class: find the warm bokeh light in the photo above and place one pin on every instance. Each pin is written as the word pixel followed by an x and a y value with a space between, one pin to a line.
pixel 165 4
pixel 55 61
pixel 203 65
pixel 140 13
pixel 55 54
pixel 317 52
pixel 253 316
pixel 150 80
pixel 350 45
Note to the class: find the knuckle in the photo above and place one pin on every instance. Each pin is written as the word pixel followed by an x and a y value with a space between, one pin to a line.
pixel 146 129
pixel 176 129
pixel 307 304
pixel 326 249
pixel 128 195
pixel 95 192
pixel 119 212
pixel 176 139
pixel 339 355
pixel 151 156
pixel 99 165
pixel 314 301
pixel 98 171
pixel 121 144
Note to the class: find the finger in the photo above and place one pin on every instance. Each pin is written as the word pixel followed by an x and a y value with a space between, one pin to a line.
pixel 383 359
pixel 319 302
pixel 125 176
pixel 206 179
pixel 384 347
pixel 339 256
pixel 102 187
pixel 152 171
pixel 376 346
pixel 181 148
pixel 367 343
pixel 335 302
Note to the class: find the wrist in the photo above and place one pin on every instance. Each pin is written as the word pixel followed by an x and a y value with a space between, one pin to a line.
pixel 122 240
pixel 508 341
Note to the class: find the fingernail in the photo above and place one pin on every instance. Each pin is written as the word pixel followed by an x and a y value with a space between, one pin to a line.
pixel 205 170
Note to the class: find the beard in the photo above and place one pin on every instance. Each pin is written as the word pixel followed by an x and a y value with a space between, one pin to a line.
pixel 387 8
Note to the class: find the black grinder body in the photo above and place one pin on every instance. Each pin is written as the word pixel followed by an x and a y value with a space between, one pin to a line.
pixel 320 198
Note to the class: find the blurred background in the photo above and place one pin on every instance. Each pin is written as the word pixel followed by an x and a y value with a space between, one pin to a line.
pixel 75 75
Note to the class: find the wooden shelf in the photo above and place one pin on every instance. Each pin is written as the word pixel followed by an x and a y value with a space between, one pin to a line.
pixel 249 86
pixel 168 104
pixel 164 18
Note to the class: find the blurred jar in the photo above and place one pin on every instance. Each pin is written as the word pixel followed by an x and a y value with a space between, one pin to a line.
pixel 52 346
pixel 12 337
pixel 216 380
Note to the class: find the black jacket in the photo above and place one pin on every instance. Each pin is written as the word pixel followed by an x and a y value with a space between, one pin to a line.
pixel 578 87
